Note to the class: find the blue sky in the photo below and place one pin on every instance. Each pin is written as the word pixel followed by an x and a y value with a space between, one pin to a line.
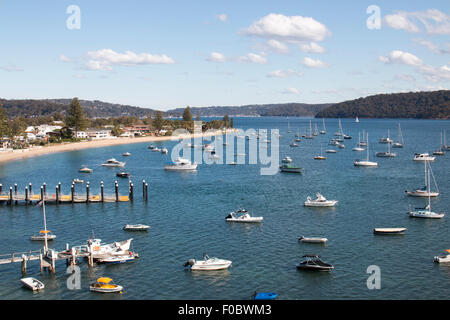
pixel 171 54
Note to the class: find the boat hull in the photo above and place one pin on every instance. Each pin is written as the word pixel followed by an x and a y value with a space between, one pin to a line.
pixel 389 230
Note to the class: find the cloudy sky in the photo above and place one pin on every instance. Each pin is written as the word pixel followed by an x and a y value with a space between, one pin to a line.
pixel 175 53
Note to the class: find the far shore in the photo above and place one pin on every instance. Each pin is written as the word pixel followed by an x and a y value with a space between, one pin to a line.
pixel 73 146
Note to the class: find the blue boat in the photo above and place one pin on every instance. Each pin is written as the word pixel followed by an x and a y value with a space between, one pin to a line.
pixel 264 296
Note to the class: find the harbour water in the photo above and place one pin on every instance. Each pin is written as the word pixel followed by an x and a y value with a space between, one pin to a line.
pixel 186 212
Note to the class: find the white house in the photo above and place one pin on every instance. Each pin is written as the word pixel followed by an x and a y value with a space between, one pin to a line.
pixel 96 134
pixel 80 134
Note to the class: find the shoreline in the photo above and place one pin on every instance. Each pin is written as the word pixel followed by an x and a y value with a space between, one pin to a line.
pixel 73 146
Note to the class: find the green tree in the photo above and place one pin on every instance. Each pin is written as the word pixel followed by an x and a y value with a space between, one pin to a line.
pixel 232 123
pixel 159 121
pixel 187 115
pixel 76 118
pixel 226 121
pixel 3 122
pixel 116 131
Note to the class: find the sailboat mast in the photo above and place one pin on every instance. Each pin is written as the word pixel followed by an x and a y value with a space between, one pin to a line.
pixel 367 146
pixel 429 190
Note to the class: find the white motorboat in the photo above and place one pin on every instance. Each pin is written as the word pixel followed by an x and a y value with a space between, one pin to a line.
pixel 136 227
pixel 242 215
pixel 43 234
pixel 312 239
pixel 365 163
pixel 164 151
pixel 113 163
pixel 76 180
pixel 85 169
pixel 286 160
pixel 423 192
pixel 423 157
pixel 116 259
pixel 156 149
pixel 389 230
pixel 181 164
pixel 126 154
pixel 100 250
pixel 320 201
pixel 32 283
pixel 330 151
pixel 426 212
pixel 293 144
pixel 208 264
pixel 105 285
pixel 443 258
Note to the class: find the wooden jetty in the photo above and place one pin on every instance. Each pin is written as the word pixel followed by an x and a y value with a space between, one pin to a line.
pixel 13 197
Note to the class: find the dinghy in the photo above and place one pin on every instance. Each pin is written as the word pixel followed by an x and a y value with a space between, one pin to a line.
pixel 208 264
pixel 136 227
pixel 312 239
pixel 32 283
pixel 264 295
pixel 389 230
pixel 105 285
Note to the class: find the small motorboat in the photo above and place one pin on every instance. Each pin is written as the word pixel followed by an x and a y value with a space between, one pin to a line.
pixel 358 149
pixel 113 163
pixel 320 201
pixel 85 169
pixel 312 239
pixel 156 149
pixel 126 154
pixel 389 230
pixel 287 160
pixel 293 145
pixel 264 295
pixel 115 259
pixel 234 163
pixel 423 157
pixel 242 215
pixel 42 235
pixel 164 151
pixel 346 136
pixel 385 140
pixel 208 264
pixel 151 147
pixel 123 174
pixel 105 285
pixel 290 168
pixel 438 153
pixel 443 258
pixel 330 151
pixel 32 283
pixel 136 227
pixel 313 263
pixel 181 164
pixel 320 158
pixel 76 180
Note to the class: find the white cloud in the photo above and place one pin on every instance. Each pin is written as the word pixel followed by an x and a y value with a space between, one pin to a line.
pixel 405 77
pixel 105 59
pixel 63 58
pixel 278 26
pixel 313 63
pixel 254 58
pixel 434 21
pixel 397 56
pixel 284 73
pixel 278 46
pixel 432 46
pixel 222 17
pixel 290 91
pixel 216 57
pixel 311 47
pixel 10 67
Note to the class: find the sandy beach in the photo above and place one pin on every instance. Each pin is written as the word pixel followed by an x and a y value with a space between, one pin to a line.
pixel 64 147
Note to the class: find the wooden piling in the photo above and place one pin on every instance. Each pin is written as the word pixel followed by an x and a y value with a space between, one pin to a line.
pixel 143 189
pixel 10 196
pixel 116 186
pixel 57 195
pixel 24 264
pixel 41 261
pixel 15 193
pixel 1 188
pixel 146 191
pixel 45 188
pixel 87 192
pixel 26 195
pixel 102 195
pixel 131 191
pixel 30 192
pixel 42 193
pixel 72 190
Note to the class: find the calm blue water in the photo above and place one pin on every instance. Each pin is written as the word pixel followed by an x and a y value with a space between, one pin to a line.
pixel 186 213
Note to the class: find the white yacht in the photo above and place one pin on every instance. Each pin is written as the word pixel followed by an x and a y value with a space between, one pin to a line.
pixel 287 159
pixel 113 163
pixel 126 154
pixel 386 140
pixel 100 250
pixel 208 264
pixel 423 192
pixel 423 157
pixel 323 131
pixel 320 201
pixel 387 154
pixel 242 215
pixel 365 163
pixel 399 143
pixel 426 212
pixel 443 258
pixel 181 164
pixel 358 146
